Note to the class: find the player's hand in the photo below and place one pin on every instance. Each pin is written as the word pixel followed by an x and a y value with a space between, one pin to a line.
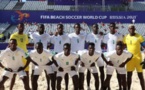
pixel 9 69
pixel 60 69
pixel 73 68
pixel 109 63
pixel 92 65
pixel 20 69
pixel 82 64
pixel 143 64
pixel 122 65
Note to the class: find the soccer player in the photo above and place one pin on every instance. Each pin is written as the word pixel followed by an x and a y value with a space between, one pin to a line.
pixel 58 41
pixel 41 36
pixel 77 39
pixel 111 39
pixel 22 41
pixel 66 62
pixel 133 42
pixel 41 57
pixel 44 38
pixel 12 57
pixel 96 38
pixel 88 59
pixel 117 60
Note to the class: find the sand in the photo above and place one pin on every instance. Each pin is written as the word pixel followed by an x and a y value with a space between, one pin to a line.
pixel 42 83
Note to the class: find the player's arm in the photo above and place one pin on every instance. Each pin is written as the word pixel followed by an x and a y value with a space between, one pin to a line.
pixel 126 61
pixel 107 62
pixel 77 60
pixel 7 69
pixel 49 63
pixel 54 61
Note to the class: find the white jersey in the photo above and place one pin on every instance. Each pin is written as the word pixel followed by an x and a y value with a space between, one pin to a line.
pixel 86 58
pixel 66 61
pixel 118 59
pixel 96 39
pixel 41 59
pixel 58 42
pixel 44 38
pixel 77 41
pixel 111 40
pixel 13 59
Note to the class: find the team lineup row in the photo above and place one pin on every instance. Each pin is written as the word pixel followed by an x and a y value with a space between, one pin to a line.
pixel 62 63
pixel 133 43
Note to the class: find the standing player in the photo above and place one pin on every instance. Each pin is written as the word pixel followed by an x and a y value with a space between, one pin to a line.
pixel 77 39
pixel 96 38
pixel 111 39
pixel 43 37
pixel 22 41
pixel 133 42
pixel 117 60
pixel 41 57
pixel 88 59
pixel 66 62
pixel 58 41
pixel 12 57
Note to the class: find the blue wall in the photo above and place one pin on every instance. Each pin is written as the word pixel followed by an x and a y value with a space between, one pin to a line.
pixel 15 17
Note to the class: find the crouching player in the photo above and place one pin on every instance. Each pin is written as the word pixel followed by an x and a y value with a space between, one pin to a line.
pixel 88 59
pixel 66 62
pixel 117 60
pixel 41 58
pixel 12 57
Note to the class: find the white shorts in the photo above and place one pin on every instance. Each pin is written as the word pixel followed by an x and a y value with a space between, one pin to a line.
pixel 100 62
pixel 71 73
pixel 39 69
pixel 54 68
pixel 91 69
pixel 10 74
pixel 110 70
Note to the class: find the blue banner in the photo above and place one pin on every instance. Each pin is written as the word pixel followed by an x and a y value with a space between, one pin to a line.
pixel 15 17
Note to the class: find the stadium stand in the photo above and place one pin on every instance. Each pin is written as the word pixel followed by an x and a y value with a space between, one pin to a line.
pixel 3 4
pixel 11 5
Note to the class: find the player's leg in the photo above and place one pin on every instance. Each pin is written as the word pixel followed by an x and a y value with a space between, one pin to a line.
pixel 122 72
pixel 94 71
pixel 75 80
pixel 34 82
pixel 54 68
pixel 88 78
pixel 96 80
pixel 36 74
pixel 140 74
pixel 119 80
pixel 100 64
pixel 50 74
pixel 123 78
pixel 2 82
pixel 141 78
pixel 32 74
pixel 110 70
pixel 52 81
pixel 66 78
pixel 81 81
pixel 12 82
pixel 47 79
pixel 23 76
pixel 130 66
pixel 129 79
pixel 81 77
pixel 59 79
